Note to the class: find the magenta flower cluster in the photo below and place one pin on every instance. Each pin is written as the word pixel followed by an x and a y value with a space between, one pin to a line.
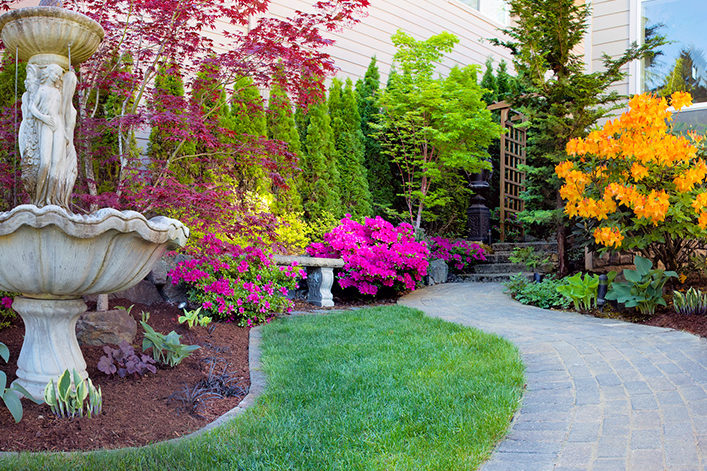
pixel 376 254
pixel 241 284
pixel 6 302
pixel 459 254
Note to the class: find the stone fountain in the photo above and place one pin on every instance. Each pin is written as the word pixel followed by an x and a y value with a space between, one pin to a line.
pixel 50 255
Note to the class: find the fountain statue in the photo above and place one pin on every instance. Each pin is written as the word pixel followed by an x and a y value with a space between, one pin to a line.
pixel 50 255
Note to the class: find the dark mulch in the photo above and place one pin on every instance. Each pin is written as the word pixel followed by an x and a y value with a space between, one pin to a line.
pixel 136 411
pixel 694 324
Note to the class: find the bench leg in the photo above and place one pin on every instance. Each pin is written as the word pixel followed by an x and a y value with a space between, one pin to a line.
pixel 319 282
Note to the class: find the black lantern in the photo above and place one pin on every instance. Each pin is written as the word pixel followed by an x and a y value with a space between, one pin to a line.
pixel 478 214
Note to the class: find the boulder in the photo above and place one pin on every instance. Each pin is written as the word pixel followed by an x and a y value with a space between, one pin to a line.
pixel 174 294
pixel 105 327
pixel 437 272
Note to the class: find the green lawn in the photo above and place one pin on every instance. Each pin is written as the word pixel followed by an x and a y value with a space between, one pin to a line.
pixel 382 388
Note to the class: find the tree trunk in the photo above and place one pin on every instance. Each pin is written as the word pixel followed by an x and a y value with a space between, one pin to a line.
pixel 562 265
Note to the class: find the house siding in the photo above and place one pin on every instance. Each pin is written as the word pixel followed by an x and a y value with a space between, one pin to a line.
pixel 354 46
pixel 610 34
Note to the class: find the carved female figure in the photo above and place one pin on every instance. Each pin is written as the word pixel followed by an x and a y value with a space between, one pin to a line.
pixel 46 107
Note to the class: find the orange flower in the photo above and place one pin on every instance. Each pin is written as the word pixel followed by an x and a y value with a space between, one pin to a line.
pixel 702 221
pixel 638 171
pixel 608 236
pixel 680 100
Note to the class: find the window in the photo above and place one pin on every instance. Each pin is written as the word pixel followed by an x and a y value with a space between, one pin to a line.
pixel 496 10
pixel 680 65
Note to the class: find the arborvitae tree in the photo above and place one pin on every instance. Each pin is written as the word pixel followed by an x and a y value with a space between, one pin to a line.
pixel 561 100
pixel 378 165
pixel 504 82
pixel 301 123
pixel 250 125
pixel 281 126
pixel 488 81
pixel 320 177
pixel 349 142
pixel 164 144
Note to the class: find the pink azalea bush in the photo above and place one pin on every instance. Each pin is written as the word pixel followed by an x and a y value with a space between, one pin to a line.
pixel 6 311
pixel 239 284
pixel 459 254
pixel 376 254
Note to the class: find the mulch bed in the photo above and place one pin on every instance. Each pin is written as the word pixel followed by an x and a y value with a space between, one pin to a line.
pixel 694 324
pixel 136 411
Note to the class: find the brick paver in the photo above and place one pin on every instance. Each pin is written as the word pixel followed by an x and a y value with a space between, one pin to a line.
pixel 601 394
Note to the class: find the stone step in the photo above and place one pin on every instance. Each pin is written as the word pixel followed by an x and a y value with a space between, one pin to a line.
pixel 498 257
pixel 508 247
pixel 499 268
pixel 488 277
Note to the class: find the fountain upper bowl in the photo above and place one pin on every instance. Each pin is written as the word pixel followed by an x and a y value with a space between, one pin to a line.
pixel 49 253
pixel 45 34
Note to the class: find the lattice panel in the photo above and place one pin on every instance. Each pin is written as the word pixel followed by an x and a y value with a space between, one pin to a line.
pixel 512 180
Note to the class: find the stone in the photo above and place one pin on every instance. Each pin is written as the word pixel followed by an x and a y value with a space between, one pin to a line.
pixel 105 327
pixel 319 282
pixel 174 294
pixel 160 270
pixel 437 272
pixel 143 292
pixel 308 261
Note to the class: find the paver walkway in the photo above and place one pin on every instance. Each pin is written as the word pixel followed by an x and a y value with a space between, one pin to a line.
pixel 601 394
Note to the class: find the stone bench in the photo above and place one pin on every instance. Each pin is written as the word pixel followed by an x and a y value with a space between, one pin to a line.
pixel 320 276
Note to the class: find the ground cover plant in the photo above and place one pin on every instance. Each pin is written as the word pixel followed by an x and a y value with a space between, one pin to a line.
pixel 381 388
pixel 542 294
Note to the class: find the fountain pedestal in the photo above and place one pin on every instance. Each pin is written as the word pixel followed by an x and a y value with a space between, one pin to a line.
pixel 50 345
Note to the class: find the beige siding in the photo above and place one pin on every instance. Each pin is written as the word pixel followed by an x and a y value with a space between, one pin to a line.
pixel 354 47
pixel 610 33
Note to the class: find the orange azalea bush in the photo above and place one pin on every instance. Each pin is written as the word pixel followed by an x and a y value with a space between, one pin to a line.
pixel 641 184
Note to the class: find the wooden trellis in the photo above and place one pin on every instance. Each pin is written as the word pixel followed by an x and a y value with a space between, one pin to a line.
pixel 512 180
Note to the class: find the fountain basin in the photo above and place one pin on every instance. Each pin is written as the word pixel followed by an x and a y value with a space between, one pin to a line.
pixel 53 257
pixel 49 253
pixel 42 35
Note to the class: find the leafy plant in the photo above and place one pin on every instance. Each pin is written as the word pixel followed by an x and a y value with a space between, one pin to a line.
pixel 582 290
pixel 693 301
pixel 10 396
pixel 529 257
pixel 124 361
pixel 166 349
pixel 643 287
pixel 67 398
pixel 193 318
pixel 543 294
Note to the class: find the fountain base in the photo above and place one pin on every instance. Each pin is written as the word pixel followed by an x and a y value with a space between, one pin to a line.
pixel 50 345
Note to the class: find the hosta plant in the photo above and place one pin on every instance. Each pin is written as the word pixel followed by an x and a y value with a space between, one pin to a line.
pixel 643 288
pixel 166 349
pixel 582 290
pixel 693 301
pixel 125 361
pixel 11 396
pixel 72 394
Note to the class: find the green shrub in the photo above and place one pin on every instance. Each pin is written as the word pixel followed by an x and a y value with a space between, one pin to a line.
pixel 693 301
pixel 543 294
pixel 643 287
pixel 11 396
